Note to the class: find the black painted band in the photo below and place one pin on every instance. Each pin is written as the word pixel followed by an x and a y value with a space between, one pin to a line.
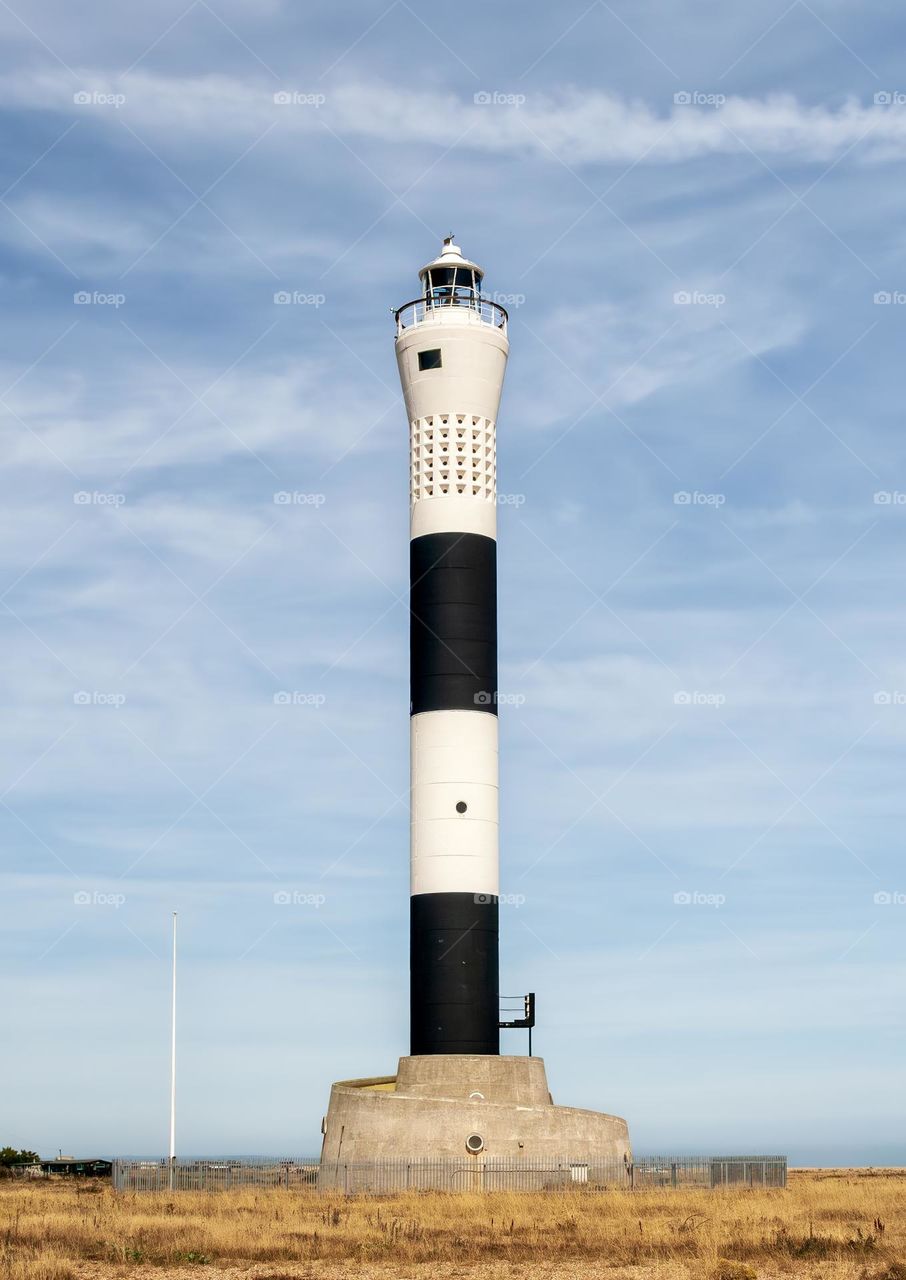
pixel 454 973
pixel 453 623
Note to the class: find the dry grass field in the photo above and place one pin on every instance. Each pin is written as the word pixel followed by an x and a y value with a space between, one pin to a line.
pixel 828 1225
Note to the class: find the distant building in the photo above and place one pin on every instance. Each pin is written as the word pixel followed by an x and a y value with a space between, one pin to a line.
pixel 72 1167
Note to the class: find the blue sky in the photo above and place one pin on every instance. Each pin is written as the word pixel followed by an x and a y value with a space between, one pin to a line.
pixel 694 213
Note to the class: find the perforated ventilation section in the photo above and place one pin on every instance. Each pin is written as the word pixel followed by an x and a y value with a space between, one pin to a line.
pixel 453 454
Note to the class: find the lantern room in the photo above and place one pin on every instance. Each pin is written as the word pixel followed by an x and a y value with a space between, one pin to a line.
pixel 451 280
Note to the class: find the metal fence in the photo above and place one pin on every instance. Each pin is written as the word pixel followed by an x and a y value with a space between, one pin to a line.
pixel 213 1175
pixel 708 1171
pixel 470 1173
pixel 387 1177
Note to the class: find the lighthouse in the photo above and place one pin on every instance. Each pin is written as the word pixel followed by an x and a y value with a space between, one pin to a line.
pixel 455 1097
pixel 451 351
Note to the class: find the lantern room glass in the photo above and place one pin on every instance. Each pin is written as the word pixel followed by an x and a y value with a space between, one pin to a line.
pixel 452 286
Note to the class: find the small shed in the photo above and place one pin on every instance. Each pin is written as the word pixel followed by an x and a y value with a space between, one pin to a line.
pixel 75 1167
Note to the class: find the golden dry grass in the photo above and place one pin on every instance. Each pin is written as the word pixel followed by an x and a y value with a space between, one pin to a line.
pixel 829 1225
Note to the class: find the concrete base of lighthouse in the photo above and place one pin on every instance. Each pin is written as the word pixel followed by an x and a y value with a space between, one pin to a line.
pixel 434 1105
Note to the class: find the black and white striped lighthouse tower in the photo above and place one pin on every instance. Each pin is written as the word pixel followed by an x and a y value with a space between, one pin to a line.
pixel 451 349
pixel 454 1095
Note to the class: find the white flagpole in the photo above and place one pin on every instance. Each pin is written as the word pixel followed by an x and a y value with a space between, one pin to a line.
pixel 173 1062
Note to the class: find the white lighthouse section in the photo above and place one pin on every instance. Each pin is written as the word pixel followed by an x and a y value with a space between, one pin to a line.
pixel 453 460
pixel 451 350
pixel 454 761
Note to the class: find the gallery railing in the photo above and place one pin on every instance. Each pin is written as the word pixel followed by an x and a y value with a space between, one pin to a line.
pixel 470 305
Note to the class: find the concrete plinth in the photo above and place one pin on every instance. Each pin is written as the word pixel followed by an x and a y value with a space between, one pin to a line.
pixel 433 1105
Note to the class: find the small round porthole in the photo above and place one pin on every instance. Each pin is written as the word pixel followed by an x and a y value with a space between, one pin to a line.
pixel 461 806
pixel 474 1144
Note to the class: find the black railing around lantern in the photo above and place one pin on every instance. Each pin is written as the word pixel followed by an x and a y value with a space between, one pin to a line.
pixel 429 306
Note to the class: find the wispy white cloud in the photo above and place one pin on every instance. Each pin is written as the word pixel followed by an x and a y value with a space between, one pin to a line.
pixel 153 420
pixel 575 126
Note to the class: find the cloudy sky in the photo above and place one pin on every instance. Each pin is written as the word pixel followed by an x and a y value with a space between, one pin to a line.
pixel 694 215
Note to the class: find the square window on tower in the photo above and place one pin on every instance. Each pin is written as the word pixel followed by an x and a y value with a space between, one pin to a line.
pixel 429 359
